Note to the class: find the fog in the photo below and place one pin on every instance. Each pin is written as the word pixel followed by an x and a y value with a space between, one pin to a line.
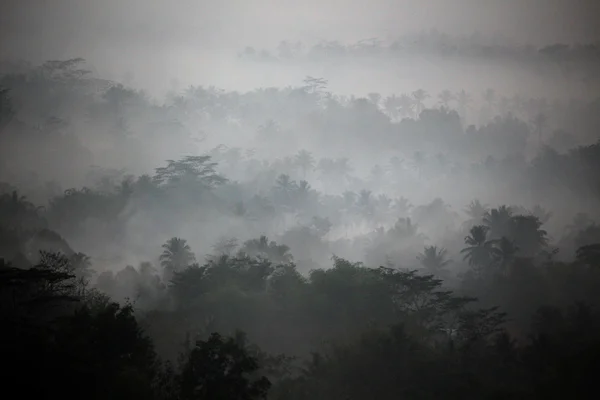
pixel 195 41
pixel 303 188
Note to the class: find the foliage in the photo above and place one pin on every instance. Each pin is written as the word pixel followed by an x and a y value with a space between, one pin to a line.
pixel 221 368
pixel 416 303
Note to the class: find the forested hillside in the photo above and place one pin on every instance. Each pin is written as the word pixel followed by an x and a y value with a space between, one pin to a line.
pixel 294 243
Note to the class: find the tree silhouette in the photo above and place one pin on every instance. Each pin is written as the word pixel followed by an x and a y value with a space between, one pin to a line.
pixel 197 169
pixel 433 259
pixel 504 253
pixel 445 98
pixel 305 161
pixel 176 256
pixel 526 232
pixel 464 100
pixel 589 255
pixel 476 211
pixel 498 221
pixel 419 96
pixel 276 253
pixel 479 251
pixel 221 368
pixel 314 85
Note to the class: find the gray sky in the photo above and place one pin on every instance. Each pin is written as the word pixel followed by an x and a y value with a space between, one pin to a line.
pixel 160 39
pixel 67 26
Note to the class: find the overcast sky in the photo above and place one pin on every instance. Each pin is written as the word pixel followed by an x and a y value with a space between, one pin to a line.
pixel 161 39
pixel 68 26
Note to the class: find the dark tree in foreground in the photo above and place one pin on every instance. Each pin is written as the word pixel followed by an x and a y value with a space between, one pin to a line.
pixel 221 368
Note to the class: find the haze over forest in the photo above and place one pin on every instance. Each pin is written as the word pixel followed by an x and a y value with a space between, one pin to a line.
pixel 284 200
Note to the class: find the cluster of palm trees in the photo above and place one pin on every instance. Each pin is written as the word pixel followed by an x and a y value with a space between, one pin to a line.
pixel 502 237
pixel 535 111
pixel 491 246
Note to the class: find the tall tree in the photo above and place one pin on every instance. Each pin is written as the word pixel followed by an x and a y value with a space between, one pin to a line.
pixel 305 161
pixel 221 368
pixel 475 211
pixel 498 221
pixel 419 96
pixel 190 169
pixel 479 251
pixel 176 256
pixel 434 260
pixel 445 97
pixel 464 101
pixel 262 247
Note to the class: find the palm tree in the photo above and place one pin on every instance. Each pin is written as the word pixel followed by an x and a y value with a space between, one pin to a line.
pixel 364 203
pixel 285 183
pixel 225 246
pixel 285 188
pixel 479 250
pixel 542 214
pixel 261 247
pixel 445 97
pixel 464 100
pixel 401 207
pixel 498 221
pixel 304 192
pixel 270 130
pixel 526 232
pixel 405 106
pixel 176 256
pixel 504 252
pixel 433 259
pixel 419 96
pixel 476 212
pixel 589 255
pixel 404 229
pixel 305 161
pixel 337 170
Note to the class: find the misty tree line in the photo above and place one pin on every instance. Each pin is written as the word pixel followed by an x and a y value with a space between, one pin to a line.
pixel 347 282
pixel 59 323
pixel 75 111
pixel 569 57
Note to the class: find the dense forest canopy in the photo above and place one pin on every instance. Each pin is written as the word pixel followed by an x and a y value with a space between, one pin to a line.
pixel 296 242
